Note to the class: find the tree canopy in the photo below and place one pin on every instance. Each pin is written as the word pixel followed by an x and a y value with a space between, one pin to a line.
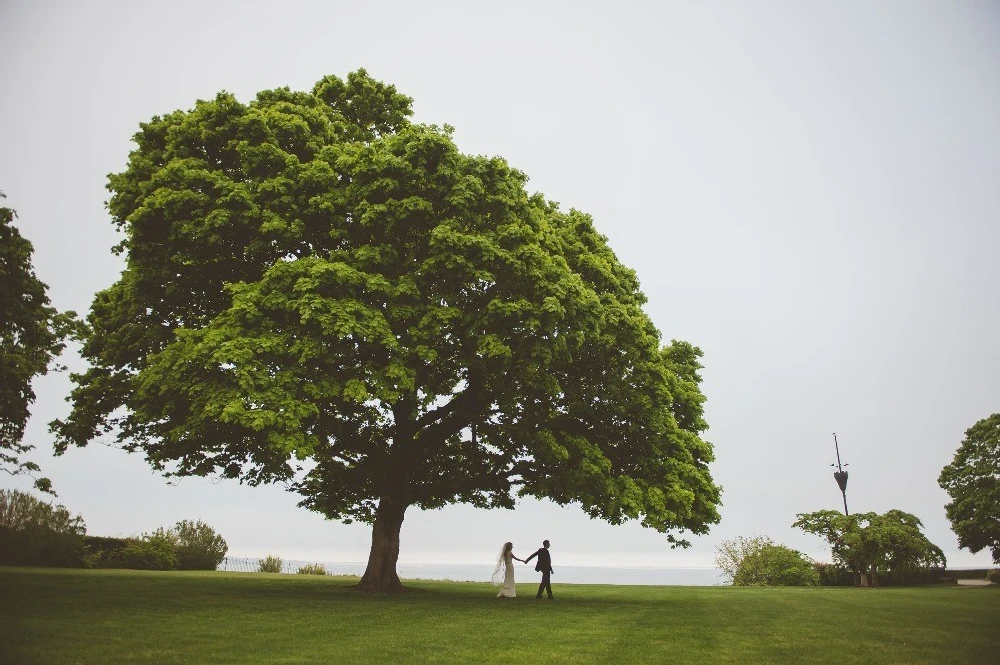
pixel 32 334
pixel 320 292
pixel 872 545
pixel 972 480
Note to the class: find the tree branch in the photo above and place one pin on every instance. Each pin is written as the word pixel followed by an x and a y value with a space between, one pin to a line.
pixel 450 418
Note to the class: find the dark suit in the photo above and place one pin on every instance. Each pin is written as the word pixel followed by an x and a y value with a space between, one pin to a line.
pixel 544 566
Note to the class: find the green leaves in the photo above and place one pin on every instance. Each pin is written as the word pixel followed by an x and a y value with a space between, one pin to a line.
pixel 32 335
pixel 759 561
pixel 311 276
pixel 972 480
pixel 869 543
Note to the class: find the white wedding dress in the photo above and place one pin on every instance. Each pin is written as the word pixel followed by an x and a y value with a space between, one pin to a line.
pixel 505 565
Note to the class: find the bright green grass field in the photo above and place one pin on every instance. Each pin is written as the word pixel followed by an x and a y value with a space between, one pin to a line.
pixel 115 616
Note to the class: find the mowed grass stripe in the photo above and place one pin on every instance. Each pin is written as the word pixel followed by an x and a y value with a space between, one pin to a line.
pixel 110 616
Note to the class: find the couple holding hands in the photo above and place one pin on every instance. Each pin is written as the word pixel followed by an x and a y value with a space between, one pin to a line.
pixel 503 573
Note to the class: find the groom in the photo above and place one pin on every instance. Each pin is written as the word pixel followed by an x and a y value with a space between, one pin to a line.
pixel 544 565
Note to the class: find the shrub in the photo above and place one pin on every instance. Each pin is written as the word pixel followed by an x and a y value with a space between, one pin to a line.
pixel 102 544
pixel 312 569
pixel 188 545
pixel 269 564
pixel 150 553
pixel 830 574
pixel 103 551
pixel 759 561
pixel 730 553
pixel 913 576
pixel 163 538
pixel 35 533
pixel 994 575
pixel 776 565
pixel 199 547
pixel 969 573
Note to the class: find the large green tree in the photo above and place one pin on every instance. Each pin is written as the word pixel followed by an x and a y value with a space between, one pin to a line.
pixel 972 480
pixel 872 545
pixel 32 334
pixel 322 293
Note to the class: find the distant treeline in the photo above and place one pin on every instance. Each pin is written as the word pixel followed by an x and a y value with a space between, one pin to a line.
pixel 35 533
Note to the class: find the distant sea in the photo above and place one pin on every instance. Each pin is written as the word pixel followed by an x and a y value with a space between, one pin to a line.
pixel 481 573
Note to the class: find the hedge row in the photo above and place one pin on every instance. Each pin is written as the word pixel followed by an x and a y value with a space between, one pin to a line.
pixel 35 533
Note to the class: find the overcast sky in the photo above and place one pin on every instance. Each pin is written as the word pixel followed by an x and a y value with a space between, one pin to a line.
pixel 809 191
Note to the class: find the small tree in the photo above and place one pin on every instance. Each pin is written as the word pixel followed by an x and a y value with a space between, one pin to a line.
pixel 872 545
pixel 972 480
pixel 32 333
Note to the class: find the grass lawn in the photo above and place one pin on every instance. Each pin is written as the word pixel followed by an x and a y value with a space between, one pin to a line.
pixel 54 616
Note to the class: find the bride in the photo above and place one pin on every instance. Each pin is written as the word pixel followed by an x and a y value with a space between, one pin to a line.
pixel 503 573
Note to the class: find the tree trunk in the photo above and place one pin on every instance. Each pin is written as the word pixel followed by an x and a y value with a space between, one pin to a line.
pixel 867 578
pixel 381 572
